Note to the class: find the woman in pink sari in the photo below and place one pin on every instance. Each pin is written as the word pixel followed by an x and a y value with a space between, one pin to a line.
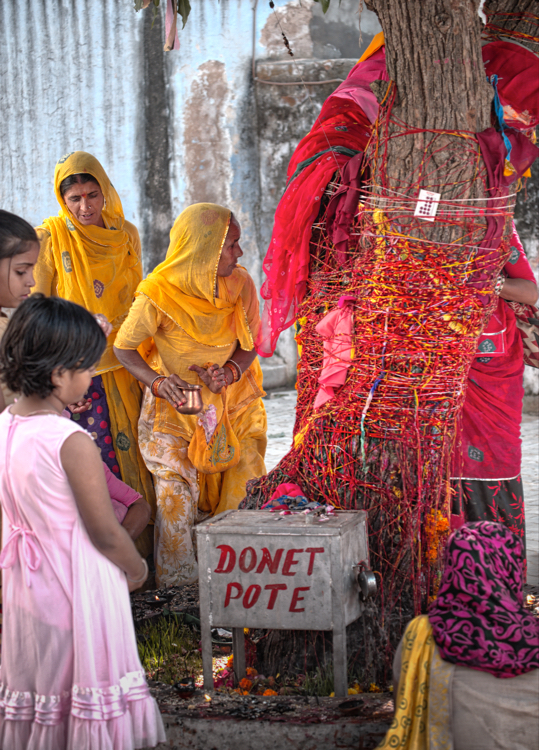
pixel 487 456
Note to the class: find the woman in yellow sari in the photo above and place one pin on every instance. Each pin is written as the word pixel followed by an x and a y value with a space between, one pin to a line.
pixel 91 255
pixel 199 309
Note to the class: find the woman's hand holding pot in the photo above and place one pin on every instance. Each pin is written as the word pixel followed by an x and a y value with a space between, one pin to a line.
pixel 171 390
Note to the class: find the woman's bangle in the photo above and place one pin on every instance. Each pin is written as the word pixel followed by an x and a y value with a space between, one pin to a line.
pixel 233 370
pixel 240 371
pixel 143 576
pixel 154 385
pixel 500 281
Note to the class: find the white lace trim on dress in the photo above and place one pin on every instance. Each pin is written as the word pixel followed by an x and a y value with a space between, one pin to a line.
pixel 97 704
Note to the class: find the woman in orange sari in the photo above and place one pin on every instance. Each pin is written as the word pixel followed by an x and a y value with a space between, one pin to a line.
pixel 200 310
pixel 91 255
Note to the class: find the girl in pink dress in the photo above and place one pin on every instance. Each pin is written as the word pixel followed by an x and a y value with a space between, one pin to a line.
pixel 70 674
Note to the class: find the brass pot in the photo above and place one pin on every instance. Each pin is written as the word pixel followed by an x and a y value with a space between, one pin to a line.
pixel 194 403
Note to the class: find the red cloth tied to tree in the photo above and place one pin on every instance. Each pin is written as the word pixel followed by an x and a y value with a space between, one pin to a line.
pixel 342 130
pixel 518 79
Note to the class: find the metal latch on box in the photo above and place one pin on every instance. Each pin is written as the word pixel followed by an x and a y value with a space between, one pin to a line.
pixel 366 581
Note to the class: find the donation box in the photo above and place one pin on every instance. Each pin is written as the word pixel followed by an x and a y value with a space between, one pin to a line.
pixel 259 569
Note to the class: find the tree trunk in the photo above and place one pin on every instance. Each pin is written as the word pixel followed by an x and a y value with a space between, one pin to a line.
pixel 423 292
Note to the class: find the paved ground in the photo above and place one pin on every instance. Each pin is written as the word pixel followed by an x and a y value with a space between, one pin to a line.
pixel 280 407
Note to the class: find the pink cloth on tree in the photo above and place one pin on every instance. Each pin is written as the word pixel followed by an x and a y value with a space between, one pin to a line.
pixel 289 489
pixel 171 27
pixel 336 329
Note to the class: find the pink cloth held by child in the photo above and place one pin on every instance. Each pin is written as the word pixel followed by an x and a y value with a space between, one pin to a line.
pixel 121 494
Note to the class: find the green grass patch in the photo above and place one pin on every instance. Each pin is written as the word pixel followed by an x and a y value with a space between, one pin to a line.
pixel 168 649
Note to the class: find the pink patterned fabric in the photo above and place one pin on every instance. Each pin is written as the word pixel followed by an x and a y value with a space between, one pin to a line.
pixel 70 676
pixel 336 328
pixel 478 618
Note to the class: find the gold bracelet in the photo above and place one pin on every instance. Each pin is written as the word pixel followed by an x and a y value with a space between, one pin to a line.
pixel 156 382
pixel 240 371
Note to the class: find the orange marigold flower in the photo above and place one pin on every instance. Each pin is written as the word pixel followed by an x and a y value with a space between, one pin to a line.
pixel 251 672
pixel 230 661
pixel 437 529
pixel 270 692
pixel 246 684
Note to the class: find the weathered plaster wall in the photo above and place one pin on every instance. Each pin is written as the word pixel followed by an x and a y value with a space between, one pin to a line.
pixel 285 115
pixel 70 79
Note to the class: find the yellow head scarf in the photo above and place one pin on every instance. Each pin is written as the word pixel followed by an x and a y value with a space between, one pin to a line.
pixel 183 285
pixel 97 267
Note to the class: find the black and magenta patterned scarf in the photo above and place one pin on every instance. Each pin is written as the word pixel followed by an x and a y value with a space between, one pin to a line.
pixel 478 619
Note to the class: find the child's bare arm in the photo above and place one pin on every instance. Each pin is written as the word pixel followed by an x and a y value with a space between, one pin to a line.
pixel 82 463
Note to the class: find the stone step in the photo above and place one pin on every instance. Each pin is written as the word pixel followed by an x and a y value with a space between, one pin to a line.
pixel 304 724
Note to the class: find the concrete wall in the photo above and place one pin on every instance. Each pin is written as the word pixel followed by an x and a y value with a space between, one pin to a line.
pixel 170 128
pixel 174 128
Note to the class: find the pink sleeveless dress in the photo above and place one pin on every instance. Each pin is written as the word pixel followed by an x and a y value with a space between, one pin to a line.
pixel 70 674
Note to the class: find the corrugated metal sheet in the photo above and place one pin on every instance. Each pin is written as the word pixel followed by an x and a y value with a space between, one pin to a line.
pixel 70 79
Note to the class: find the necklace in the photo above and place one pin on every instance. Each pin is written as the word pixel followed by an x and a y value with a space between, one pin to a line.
pixel 40 411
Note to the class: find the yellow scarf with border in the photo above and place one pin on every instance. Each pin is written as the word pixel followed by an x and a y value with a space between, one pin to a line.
pixel 183 286
pixel 97 267
pixel 422 718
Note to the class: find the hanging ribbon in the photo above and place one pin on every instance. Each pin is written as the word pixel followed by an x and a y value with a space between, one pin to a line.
pixel 171 27
pixel 498 110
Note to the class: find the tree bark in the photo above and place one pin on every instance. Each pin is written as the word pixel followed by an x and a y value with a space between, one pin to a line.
pixel 433 53
pixel 512 16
